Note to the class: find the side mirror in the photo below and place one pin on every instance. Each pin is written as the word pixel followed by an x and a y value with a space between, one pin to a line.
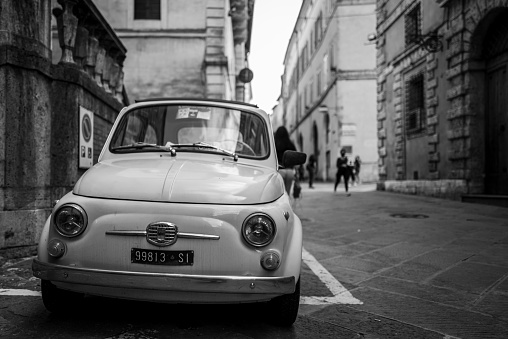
pixel 293 158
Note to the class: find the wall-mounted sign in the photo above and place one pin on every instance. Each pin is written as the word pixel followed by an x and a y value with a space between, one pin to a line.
pixel 245 75
pixel 85 138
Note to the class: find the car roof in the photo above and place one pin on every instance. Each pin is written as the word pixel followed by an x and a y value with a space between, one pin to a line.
pixel 197 100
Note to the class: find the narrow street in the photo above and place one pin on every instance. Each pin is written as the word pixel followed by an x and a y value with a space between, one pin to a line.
pixel 375 265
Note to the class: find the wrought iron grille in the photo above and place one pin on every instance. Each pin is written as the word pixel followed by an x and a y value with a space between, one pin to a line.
pixel 415 104
pixel 413 25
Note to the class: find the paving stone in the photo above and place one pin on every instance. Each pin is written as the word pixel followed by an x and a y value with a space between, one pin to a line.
pixel 396 253
pixel 496 304
pixel 425 265
pixel 347 277
pixel 372 325
pixel 429 315
pixel 320 250
pixel 468 245
pixel 470 277
pixel 422 291
pixel 375 237
pixel 503 285
pixel 497 254
pixel 353 263
pixel 492 234
pixel 311 285
pixel 358 248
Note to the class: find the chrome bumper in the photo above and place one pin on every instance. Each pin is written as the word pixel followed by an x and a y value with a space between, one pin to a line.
pixel 164 282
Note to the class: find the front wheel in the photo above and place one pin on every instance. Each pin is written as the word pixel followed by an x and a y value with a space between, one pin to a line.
pixel 57 300
pixel 284 309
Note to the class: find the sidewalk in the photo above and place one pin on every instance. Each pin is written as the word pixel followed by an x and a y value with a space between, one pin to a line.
pixel 435 264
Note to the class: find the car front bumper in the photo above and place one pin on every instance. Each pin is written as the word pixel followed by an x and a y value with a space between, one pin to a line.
pixel 164 287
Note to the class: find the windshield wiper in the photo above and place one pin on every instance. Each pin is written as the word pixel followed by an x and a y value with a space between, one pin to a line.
pixel 140 145
pixel 205 145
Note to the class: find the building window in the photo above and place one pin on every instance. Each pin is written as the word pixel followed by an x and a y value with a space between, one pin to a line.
pixel 147 9
pixel 415 104
pixel 318 29
pixel 412 25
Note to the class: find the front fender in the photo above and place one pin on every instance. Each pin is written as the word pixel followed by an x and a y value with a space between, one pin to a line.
pixel 42 252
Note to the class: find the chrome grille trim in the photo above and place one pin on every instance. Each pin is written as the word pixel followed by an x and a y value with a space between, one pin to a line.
pixel 186 235
pixel 161 233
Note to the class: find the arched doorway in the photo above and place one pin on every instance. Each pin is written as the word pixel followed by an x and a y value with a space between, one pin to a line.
pixel 495 54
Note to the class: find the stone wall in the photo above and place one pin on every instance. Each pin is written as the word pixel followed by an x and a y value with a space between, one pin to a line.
pixel 39 119
pixel 454 97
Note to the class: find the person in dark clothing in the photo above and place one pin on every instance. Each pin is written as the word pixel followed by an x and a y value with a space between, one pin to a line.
pixel 283 144
pixel 358 165
pixel 342 171
pixel 311 168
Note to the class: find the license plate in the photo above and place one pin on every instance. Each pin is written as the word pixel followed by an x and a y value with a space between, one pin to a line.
pixel 157 257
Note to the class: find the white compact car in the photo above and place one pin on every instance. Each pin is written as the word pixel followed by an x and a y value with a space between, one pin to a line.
pixel 185 205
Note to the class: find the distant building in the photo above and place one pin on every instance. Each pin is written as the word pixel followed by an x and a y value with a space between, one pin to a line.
pixel 277 113
pixel 443 97
pixel 181 48
pixel 329 84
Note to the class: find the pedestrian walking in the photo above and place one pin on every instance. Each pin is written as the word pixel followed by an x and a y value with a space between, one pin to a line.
pixel 342 171
pixel 297 191
pixel 282 144
pixel 311 168
pixel 351 168
pixel 357 167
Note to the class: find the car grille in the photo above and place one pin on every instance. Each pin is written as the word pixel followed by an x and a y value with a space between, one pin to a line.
pixel 161 233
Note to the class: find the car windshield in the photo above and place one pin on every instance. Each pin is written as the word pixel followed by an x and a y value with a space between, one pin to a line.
pixel 176 128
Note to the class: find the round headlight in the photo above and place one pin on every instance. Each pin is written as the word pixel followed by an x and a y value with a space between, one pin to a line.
pixel 258 230
pixel 70 220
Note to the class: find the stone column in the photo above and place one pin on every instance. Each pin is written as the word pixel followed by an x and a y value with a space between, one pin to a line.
pixel 108 72
pixel 67 24
pixel 91 55
pixel 119 86
pixel 81 46
pixel 115 72
pixel 100 63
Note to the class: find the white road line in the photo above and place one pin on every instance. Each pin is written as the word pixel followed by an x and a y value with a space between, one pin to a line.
pixel 340 294
pixel 18 292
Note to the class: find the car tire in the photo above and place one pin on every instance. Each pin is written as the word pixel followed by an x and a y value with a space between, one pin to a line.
pixel 57 300
pixel 284 309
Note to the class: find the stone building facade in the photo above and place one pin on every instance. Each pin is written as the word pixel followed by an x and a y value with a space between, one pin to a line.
pixel 183 48
pixel 442 97
pixel 40 104
pixel 329 84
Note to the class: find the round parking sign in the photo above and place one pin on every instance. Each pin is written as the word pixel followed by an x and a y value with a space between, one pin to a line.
pixel 86 127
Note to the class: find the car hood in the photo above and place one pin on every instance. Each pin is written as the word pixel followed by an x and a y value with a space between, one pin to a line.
pixel 181 181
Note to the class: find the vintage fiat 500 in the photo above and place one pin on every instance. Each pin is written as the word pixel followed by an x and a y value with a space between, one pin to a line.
pixel 185 205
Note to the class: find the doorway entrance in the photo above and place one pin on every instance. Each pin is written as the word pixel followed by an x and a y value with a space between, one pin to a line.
pixel 496 107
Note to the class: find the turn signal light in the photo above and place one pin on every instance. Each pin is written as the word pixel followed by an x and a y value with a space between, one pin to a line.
pixel 56 248
pixel 270 261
